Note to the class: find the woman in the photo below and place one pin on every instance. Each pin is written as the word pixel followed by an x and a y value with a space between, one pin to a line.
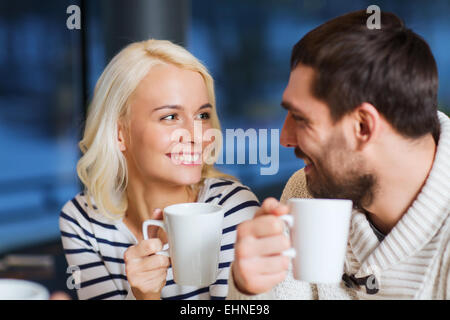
pixel 144 149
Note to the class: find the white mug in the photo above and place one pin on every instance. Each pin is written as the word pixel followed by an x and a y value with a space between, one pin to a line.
pixel 14 289
pixel 194 231
pixel 319 232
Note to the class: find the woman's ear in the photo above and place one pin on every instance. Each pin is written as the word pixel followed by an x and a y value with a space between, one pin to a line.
pixel 121 137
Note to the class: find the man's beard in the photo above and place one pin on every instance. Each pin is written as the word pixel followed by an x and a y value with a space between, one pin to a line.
pixel 340 175
pixel 354 186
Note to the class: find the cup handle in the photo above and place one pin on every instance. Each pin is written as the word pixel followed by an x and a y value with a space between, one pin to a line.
pixel 157 223
pixel 289 220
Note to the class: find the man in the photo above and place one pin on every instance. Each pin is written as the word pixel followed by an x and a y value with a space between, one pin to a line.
pixel 362 114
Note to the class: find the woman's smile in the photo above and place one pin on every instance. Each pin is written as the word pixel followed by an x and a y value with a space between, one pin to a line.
pixel 187 159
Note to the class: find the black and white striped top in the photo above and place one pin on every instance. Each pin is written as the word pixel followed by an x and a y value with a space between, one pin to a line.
pixel 94 245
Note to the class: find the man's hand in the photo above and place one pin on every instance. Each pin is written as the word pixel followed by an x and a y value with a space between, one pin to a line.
pixel 258 264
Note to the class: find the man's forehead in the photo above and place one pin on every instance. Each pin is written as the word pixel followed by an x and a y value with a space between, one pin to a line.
pixel 298 89
pixel 301 78
pixel 298 96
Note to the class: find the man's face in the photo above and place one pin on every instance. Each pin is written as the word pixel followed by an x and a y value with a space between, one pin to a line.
pixel 333 166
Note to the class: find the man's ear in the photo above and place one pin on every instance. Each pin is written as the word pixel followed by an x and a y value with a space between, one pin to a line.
pixel 121 136
pixel 367 124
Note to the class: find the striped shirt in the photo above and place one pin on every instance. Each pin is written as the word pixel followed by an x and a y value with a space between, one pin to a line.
pixel 94 245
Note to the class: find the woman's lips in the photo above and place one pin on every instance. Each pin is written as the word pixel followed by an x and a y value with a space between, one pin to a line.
pixel 188 159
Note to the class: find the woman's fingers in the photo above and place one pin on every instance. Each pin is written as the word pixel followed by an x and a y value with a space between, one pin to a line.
pixel 153 262
pixel 154 283
pixel 60 295
pixel 143 249
pixel 146 271
pixel 146 264
pixel 157 214
pixel 154 231
pixel 147 284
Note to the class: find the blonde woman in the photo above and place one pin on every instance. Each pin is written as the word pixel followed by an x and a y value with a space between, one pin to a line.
pixel 149 92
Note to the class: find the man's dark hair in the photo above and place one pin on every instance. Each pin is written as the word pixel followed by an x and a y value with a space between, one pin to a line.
pixel 392 68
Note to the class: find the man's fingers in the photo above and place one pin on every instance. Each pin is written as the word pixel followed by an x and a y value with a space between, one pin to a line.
pixel 252 247
pixel 272 206
pixel 270 265
pixel 263 226
pixel 258 283
pixel 268 281
pixel 258 264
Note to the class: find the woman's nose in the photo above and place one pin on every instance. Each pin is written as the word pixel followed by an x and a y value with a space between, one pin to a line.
pixel 193 133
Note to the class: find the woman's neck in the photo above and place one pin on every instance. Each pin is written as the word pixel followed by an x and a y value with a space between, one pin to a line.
pixel 144 198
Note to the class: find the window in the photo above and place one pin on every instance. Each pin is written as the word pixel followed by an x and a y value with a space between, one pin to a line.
pixel 40 119
pixel 245 44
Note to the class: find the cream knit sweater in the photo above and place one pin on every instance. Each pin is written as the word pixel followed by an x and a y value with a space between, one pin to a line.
pixel 413 260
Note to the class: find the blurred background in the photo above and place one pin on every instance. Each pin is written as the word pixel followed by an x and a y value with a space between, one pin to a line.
pixel 48 73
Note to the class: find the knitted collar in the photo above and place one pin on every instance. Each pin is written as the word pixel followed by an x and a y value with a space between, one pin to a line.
pixel 417 226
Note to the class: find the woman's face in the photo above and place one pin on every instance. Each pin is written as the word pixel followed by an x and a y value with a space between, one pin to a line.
pixel 160 143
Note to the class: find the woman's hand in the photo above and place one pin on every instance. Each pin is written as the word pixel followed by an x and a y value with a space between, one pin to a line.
pixel 147 271
pixel 60 295
pixel 154 231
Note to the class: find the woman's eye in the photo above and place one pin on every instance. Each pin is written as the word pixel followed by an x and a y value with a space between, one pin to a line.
pixel 204 116
pixel 169 117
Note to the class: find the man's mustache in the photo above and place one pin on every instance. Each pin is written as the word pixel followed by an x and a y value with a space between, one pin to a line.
pixel 299 153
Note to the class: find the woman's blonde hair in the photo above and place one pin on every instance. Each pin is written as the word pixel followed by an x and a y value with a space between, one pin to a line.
pixel 103 168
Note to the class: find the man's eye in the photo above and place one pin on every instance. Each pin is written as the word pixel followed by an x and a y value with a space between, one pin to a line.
pixel 169 117
pixel 298 118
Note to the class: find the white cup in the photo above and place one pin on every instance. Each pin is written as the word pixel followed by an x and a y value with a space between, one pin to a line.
pixel 194 231
pixel 14 289
pixel 319 231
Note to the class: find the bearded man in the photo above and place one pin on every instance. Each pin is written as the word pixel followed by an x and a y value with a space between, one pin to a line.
pixel 362 114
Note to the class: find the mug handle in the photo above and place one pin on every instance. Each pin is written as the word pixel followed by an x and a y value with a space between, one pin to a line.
pixel 157 223
pixel 289 220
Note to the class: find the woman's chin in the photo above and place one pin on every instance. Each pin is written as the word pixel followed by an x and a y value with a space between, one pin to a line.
pixel 188 182
pixel 178 174
pixel 187 178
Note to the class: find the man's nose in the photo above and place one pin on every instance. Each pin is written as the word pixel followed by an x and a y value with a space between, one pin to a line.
pixel 288 138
